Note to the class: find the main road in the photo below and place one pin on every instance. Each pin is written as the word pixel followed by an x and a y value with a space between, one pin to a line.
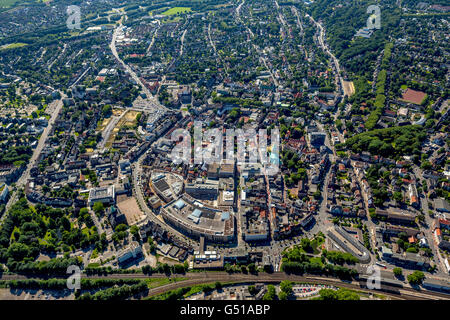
pixel 428 230
pixel 153 101
pixel 252 35
pixel 155 34
pixel 325 48
pixel 53 109
pixel 137 170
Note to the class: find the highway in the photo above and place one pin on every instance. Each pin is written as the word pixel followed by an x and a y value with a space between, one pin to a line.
pixel 299 24
pixel 371 226
pixel 282 19
pixel 182 41
pixel 218 57
pixel 323 222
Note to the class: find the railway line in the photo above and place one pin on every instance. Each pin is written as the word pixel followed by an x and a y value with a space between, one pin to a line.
pixel 395 292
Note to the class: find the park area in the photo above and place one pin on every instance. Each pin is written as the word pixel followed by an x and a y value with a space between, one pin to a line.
pixel 13 45
pixel 177 10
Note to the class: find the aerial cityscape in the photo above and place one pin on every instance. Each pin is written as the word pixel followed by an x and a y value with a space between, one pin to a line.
pixel 224 150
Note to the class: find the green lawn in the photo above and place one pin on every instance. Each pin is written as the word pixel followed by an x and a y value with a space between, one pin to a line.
pixel 175 10
pixel 7 3
pixel 12 45
pixel 10 3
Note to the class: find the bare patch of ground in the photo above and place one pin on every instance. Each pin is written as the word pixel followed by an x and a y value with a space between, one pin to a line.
pixel 349 88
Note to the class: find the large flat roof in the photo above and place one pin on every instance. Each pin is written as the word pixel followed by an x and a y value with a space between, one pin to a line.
pixel 200 217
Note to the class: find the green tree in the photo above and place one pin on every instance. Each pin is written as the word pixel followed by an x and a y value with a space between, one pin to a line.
pixel 306 245
pixel 252 268
pixel 416 277
pixel 99 208
pixel 282 295
pixel 134 230
pixel 398 271
pixel 252 290
pixel 398 196
pixel 286 287
pixel 270 294
pixel 106 110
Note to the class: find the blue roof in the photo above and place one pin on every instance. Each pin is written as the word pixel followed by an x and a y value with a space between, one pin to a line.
pixel 274 158
pixel 196 213
pixel 225 215
pixel 180 204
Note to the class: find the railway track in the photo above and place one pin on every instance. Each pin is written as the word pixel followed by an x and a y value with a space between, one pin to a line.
pixel 198 278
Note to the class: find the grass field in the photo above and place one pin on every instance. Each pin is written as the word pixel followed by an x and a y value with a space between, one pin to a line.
pixel 175 10
pixel 12 45
pixel 7 3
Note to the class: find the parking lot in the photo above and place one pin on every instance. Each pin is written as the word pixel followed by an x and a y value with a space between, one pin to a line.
pixel 309 290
